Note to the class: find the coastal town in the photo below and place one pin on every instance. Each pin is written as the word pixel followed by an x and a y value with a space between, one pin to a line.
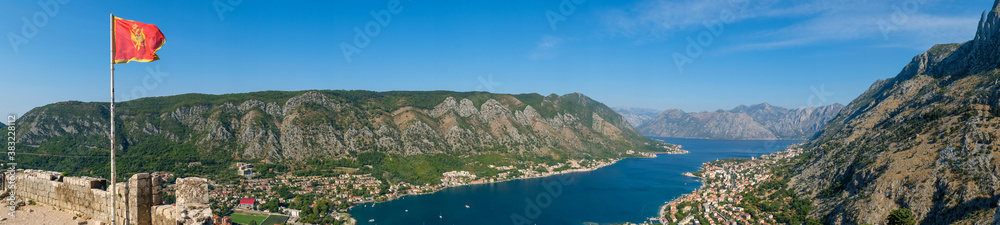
pixel 724 182
pixel 346 190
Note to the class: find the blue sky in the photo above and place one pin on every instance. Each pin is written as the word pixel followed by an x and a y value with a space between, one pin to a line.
pixel 623 53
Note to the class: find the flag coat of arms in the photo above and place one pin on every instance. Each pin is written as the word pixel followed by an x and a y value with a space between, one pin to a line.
pixel 135 41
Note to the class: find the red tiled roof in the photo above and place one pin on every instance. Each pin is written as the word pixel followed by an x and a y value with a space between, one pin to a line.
pixel 248 201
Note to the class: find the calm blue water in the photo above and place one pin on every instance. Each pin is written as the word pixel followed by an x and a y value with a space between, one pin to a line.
pixel 628 191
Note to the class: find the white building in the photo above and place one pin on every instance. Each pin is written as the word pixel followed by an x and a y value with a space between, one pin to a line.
pixel 244 169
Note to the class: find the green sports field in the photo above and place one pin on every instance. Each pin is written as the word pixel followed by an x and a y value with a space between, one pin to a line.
pixel 243 218
pixel 274 219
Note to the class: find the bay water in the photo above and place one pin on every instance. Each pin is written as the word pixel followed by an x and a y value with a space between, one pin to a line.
pixel 628 191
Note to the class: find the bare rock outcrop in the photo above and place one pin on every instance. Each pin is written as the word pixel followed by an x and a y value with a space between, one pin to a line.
pixel 924 140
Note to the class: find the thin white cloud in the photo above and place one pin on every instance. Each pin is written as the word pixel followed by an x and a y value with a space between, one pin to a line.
pixel 919 31
pixel 939 29
pixel 654 18
pixel 799 23
pixel 547 48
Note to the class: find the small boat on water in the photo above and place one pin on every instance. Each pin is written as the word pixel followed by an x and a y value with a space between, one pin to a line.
pixel 466 206
pixel 406 210
pixel 371 220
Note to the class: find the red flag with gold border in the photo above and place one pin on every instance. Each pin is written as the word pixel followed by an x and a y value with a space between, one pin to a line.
pixel 135 41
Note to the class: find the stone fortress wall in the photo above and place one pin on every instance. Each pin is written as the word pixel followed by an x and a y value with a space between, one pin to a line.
pixel 191 207
pixel 139 198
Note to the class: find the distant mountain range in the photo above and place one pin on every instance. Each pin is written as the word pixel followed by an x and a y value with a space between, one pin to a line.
pixel 755 122
pixel 636 116
pixel 925 139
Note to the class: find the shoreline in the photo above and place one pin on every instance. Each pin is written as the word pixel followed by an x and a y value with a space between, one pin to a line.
pixel 677 151
pixel 615 161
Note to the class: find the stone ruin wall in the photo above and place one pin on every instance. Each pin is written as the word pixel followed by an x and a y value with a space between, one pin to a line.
pixel 139 197
pixel 192 205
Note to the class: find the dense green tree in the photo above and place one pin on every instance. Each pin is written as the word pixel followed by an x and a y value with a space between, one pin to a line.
pixel 901 216
pixel 169 198
pixel 272 204
pixel 284 192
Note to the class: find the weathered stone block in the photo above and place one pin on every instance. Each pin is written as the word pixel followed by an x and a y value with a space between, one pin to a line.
pixel 45 175
pixel 192 190
pixel 178 214
pixel 157 191
pixel 86 182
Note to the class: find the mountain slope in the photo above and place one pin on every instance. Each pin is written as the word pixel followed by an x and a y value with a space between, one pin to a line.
pixel 300 126
pixel 755 122
pixel 924 140
pixel 790 123
pixel 636 116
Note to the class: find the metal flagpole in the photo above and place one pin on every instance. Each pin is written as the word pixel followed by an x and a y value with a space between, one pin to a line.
pixel 114 193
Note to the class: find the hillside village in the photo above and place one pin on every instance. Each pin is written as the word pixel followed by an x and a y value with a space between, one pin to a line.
pixel 295 193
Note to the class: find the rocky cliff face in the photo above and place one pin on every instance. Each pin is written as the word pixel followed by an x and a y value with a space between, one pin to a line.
pixel 637 116
pixel 280 126
pixel 996 215
pixel 925 140
pixel 755 122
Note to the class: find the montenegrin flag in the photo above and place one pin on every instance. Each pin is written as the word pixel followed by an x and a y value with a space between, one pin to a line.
pixel 135 41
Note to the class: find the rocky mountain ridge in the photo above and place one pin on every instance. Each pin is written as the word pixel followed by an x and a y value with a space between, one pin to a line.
pixel 754 122
pixel 925 139
pixel 296 126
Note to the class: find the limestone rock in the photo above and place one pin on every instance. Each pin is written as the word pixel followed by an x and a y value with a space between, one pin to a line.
pixel 192 191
